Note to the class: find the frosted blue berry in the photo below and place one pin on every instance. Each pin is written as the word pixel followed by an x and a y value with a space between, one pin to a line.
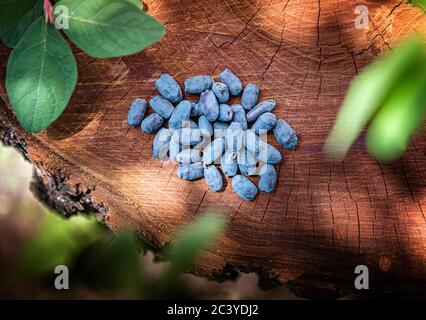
pixel 189 156
pixel 244 188
pixel 209 105
pixel 250 96
pixel 285 135
pixel 214 151
pixel 228 164
pixel 160 146
pixel 161 106
pixel 221 92
pixel 136 112
pixel 225 113
pixel 195 109
pixel 232 82
pixel 264 123
pixel 261 108
pixel 191 171
pixel 198 84
pixel 213 178
pixel 169 88
pixel 205 126
pixel 268 179
pixel 180 114
pixel 239 115
pixel 152 123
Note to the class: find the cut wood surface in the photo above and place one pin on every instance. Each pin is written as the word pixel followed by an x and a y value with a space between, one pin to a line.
pixel 322 220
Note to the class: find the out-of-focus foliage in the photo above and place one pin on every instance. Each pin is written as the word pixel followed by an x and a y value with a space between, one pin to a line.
pixel 58 242
pixel 389 94
pixel 107 261
pixel 420 3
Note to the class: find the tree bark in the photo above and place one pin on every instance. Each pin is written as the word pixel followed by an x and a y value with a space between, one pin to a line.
pixel 322 220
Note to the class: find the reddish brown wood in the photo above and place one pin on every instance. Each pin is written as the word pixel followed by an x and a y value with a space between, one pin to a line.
pixel 322 220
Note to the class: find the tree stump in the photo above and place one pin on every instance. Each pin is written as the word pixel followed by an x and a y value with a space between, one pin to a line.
pixel 322 220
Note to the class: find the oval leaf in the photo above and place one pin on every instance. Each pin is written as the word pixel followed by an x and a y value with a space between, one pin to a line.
pixel 41 76
pixel 110 28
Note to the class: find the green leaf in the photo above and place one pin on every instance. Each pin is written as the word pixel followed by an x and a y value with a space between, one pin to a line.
pixel 390 131
pixel 193 239
pixel 110 28
pixel 13 32
pixel 58 242
pixel 13 10
pixel 41 76
pixel 420 3
pixel 368 92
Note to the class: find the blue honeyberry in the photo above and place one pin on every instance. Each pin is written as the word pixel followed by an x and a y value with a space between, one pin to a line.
pixel 174 146
pixel 264 123
pixel 205 126
pixel 268 179
pixel 232 82
pixel 250 96
pixel 285 135
pixel 225 113
pixel 261 108
pixel 244 188
pixel 198 84
pixel 234 137
pixel 190 171
pixel 161 106
pixel 209 105
pixel 247 163
pixel 169 88
pixel 214 151
pixel 229 164
pixel 152 123
pixel 220 129
pixel 213 178
pixel 189 156
pixel 136 112
pixel 195 110
pixel 239 116
pixel 189 137
pixel 160 145
pixel 221 92
pixel 180 114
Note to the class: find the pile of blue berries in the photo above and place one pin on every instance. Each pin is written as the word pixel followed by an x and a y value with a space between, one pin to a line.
pixel 203 135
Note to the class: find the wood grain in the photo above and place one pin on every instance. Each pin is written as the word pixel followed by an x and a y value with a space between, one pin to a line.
pixel 322 220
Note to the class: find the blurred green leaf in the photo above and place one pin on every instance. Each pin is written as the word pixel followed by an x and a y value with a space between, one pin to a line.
pixel 13 32
pixel 369 91
pixel 395 122
pixel 420 3
pixel 114 264
pixel 13 10
pixel 58 242
pixel 192 240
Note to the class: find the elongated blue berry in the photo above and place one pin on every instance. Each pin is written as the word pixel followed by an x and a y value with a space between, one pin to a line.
pixel 209 105
pixel 205 126
pixel 285 135
pixel 161 106
pixel 261 108
pixel 160 145
pixel 214 151
pixel 219 129
pixel 189 156
pixel 232 81
pixel 225 113
pixel 264 123
pixel 250 96
pixel 221 92
pixel 174 146
pixel 198 84
pixel 228 164
pixel 247 163
pixel 136 112
pixel 152 123
pixel 169 88
pixel 268 179
pixel 195 109
pixel 239 115
pixel 234 137
pixel 189 136
pixel 191 171
pixel 244 188
pixel 180 114
pixel 213 178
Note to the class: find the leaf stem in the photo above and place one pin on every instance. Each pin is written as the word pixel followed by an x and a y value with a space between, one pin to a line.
pixel 48 11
